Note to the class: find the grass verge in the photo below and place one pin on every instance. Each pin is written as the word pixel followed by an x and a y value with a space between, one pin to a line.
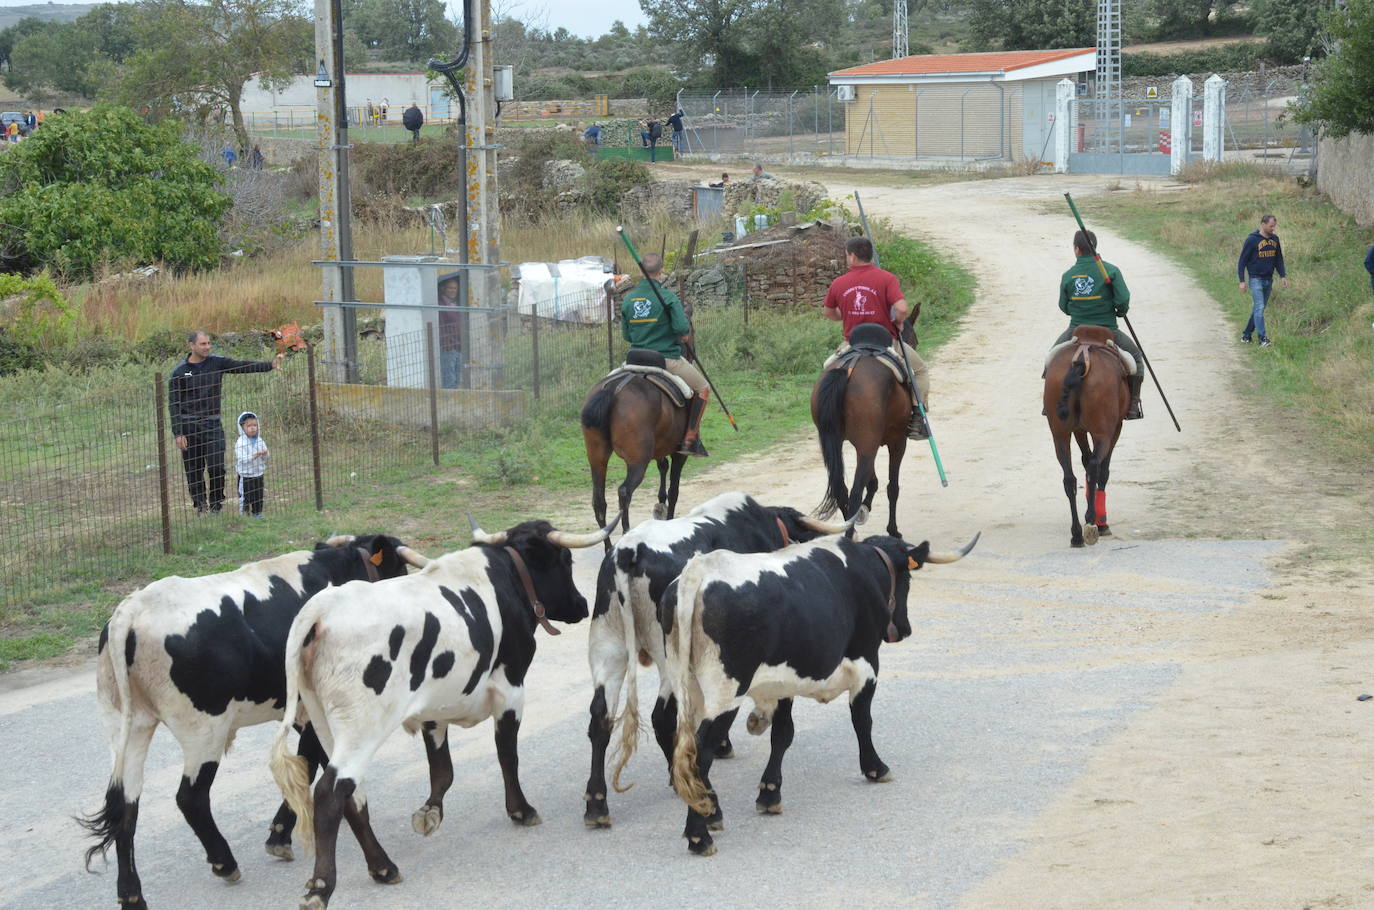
pixel 1322 324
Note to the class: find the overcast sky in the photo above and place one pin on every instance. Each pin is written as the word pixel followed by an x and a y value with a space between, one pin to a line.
pixel 589 18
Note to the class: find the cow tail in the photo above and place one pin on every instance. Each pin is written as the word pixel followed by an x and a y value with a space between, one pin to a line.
pixel 830 427
pixel 291 772
pixel 1073 383
pixel 629 715
pixel 105 824
pixel 686 781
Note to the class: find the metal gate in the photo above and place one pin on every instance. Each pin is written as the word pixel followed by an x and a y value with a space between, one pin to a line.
pixel 1127 136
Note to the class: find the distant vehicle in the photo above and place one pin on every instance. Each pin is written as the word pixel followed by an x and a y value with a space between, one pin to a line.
pixel 9 117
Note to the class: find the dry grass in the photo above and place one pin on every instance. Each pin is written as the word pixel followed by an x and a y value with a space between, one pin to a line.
pixel 281 286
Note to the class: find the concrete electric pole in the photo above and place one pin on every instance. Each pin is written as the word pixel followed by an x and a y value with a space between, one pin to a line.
pixel 336 233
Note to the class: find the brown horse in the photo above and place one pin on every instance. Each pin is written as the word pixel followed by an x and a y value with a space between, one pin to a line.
pixel 641 424
pixel 1086 395
pixel 867 407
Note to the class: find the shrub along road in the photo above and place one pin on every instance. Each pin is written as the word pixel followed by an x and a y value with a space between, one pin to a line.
pixel 1165 720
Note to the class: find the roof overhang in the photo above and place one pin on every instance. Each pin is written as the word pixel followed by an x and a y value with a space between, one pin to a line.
pixel 1069 66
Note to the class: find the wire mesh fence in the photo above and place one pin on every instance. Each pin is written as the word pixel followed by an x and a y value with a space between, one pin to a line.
pixel 86 488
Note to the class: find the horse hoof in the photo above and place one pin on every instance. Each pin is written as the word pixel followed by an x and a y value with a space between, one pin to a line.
pixel 281 851
pixel 1090 535
pixel 426 820
pixel 1076 544
pixel 862 517
pixel 1104 531
pixel 660 511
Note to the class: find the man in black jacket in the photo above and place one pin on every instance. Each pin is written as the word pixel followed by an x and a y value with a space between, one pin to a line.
pixel 412 118
pixel 195 389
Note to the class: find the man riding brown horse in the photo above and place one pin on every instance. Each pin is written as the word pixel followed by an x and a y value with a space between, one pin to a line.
pixel 657 322
pixel 1088 300
pixel 867 293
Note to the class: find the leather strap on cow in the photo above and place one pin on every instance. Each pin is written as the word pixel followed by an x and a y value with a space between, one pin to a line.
pixel 891 595
pixel 368 563
pixel 782 529
pixel 523 571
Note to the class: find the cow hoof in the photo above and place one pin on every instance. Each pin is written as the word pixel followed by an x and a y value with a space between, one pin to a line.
pixel 699 846
pixel 660 511
pixel 313 902
pixel 597 821
pixel 527 819
pixel 1090 535
pixel 758 722
pixel 132 903
pixel 388 876
pixel 724 750
pixel 426 820
pixel 879 776
pixel 281 851
pixel 770 799
pixel 230 875
pixel 768 808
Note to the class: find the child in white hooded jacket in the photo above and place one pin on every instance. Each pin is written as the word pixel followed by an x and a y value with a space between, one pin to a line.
pixel 250 459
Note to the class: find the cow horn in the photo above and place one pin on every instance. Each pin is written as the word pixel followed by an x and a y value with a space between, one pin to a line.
pixel 575 541
pixel 340 540
pixel 954 557
pixel 480 536
pixel 411 557
pixel 822 527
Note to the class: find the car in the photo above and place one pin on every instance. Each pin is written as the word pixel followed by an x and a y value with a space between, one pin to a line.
pixel 8 117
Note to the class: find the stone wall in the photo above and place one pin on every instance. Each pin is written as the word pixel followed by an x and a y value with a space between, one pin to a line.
pixel 1345 174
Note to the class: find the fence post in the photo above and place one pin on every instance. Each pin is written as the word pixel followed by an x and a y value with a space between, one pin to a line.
pixel 744 270
pixel 534 345
pixel 164 501
pixel 432 379
pixel 314 427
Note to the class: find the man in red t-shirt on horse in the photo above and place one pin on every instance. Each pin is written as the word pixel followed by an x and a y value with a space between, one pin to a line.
pixel 867 293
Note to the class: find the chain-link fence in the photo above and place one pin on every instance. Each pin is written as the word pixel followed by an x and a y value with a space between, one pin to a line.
pixel 745 121
pixel 87 486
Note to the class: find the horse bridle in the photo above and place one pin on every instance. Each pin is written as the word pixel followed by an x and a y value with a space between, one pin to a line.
pixel 892 635
pixel 523 571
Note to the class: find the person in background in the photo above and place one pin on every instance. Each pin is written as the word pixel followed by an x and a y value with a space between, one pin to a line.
pixel 679 136
pixel 255 160
pixel 230 156
pixel 1261 255
pixel 592 136
pixel 724 179
pixel 761 174
pixel 452 363
pixel 412 118
pixel 194 402
pixel 250 461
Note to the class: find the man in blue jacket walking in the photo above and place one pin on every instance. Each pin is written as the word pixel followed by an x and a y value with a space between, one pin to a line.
pixel 1261 255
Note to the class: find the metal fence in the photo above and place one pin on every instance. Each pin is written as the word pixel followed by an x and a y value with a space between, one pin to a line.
pixel 88 486
pixel 746 121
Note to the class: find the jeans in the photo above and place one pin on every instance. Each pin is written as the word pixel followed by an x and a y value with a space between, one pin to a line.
pixel 1260 289
pixel 451 368
pixel 678 145
pixel 204 456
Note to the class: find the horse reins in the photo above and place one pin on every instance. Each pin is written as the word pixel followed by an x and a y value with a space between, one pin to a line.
pixel 891 595
pixel 523 571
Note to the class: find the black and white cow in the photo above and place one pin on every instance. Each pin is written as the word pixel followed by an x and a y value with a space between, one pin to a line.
pixel 808 621
pixel 625 617
pixel 450 644
pixel 204 656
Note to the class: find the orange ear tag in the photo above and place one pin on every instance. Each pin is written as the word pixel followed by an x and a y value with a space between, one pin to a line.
pixel 375 558
pixel 911 563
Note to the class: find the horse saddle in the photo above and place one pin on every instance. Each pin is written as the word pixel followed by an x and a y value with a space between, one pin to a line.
pixel 650 365
pixel 1084 353
pixel 868 340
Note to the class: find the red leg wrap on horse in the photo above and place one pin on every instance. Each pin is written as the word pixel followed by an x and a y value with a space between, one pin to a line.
pixel 1101 509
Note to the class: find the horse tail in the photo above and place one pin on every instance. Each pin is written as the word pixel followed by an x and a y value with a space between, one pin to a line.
pixel 596 413
pixel 830 426
pixel 1073 383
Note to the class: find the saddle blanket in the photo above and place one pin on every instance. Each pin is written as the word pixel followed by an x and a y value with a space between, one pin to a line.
pixel 1127 361
pixel 676 388
pixel 845 357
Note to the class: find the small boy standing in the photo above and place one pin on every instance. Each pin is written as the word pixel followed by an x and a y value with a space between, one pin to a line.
pixel 250 458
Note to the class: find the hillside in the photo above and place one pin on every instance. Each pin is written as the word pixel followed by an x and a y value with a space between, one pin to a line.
pixel 49 12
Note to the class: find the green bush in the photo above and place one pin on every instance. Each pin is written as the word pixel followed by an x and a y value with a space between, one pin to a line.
pixel 524 184
pixel 428 168
pixel 610 179
pixel 104 186
pixel 1228 58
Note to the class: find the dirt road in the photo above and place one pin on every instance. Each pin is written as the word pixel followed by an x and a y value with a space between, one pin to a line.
pixel 1168 719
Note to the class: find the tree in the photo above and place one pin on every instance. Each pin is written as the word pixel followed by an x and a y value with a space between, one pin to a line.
pixel 74 58
pixel 105 186
pixel 201 55
pixel 1293 28
pixel 1171 19
pixel 1340 99
pixel 410 30
pixel 1033 24
pixel 30 25
pixel 710 34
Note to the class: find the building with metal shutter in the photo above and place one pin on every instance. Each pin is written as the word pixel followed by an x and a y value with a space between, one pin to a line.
pixel 957 106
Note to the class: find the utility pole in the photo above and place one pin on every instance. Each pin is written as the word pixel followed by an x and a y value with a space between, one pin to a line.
pixel 336 232
pixel 483 211
pixel 899 29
